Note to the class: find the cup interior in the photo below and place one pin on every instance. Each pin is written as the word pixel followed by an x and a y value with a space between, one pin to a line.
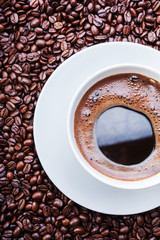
pixel 116 69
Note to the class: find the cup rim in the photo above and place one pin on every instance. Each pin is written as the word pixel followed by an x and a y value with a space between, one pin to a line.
pixel 122 184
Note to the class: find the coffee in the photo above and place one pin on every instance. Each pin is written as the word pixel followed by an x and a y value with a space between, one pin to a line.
pixel 134 154
pixel 124 136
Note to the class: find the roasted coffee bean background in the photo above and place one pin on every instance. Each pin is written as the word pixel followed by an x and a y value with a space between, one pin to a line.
pixel 36 36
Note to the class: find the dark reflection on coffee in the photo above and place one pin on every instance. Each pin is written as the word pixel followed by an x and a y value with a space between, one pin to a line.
pixel 124 136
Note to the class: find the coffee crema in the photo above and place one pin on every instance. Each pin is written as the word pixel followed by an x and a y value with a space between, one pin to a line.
pixel 131 91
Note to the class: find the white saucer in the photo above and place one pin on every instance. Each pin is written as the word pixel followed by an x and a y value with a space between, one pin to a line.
pixel 50 131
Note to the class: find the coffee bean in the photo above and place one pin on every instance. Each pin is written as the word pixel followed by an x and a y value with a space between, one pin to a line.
pixel 33 57
pixel 1 122
pixel 27 168
pixel 156 231
pixel 112 31
pixel 35 22
pixel 158 19
pixel 20 156
pixel 4 181
pixel 27 224
pixel 140 17
pixel 2 28
pixel 66 210
pixel 16 100
pixel 79 230
pixel 47 237
pixel 40 43
pixel 11 206
pixel 8 233
pixel 21 204
pixel 28 142
pixel 149 18
pixel 2 98
pixel 151 37
pixel 141 233
pixel 10 106
pixel 46 211
pixel 156 6
pixel 119 28
pixel 26 81
pixel 22 57
pixel 65 222
pixel 27 236
pixel 34 206
pixel 58 25
pixel 37 195
pixel 95 230
pixel 140 220
pixel 126 30
pixel 58 203
pixel 33 180
pixel 9 175
pixel 105 233
pixel 42 188
pixel 124 230
pixel 55 211
pixel 73 2
pixel 3 142
pixel 2 199
pixel 17 68
pixel 100 37
pixel 14 18
pixel 127 17
pixel 23 132
pixel 11 165
pixel 16 232
pixel 16 183
pixel 74 221
pixel 114 234
pixel 35 236
pixel 33 3
pixel 27 99
pixel 106 29
pixel 84 217
pixel 49 228
pixel 51 195
pixel 122 237
pixel 156 221
pixel 94 30
pixel 19 46
pixel 9 121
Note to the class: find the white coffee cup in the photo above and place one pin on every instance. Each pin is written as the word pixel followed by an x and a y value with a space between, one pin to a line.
pixel 116 69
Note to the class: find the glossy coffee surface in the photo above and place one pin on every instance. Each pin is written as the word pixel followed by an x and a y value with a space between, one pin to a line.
pixel 124 136
pixel 135 156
